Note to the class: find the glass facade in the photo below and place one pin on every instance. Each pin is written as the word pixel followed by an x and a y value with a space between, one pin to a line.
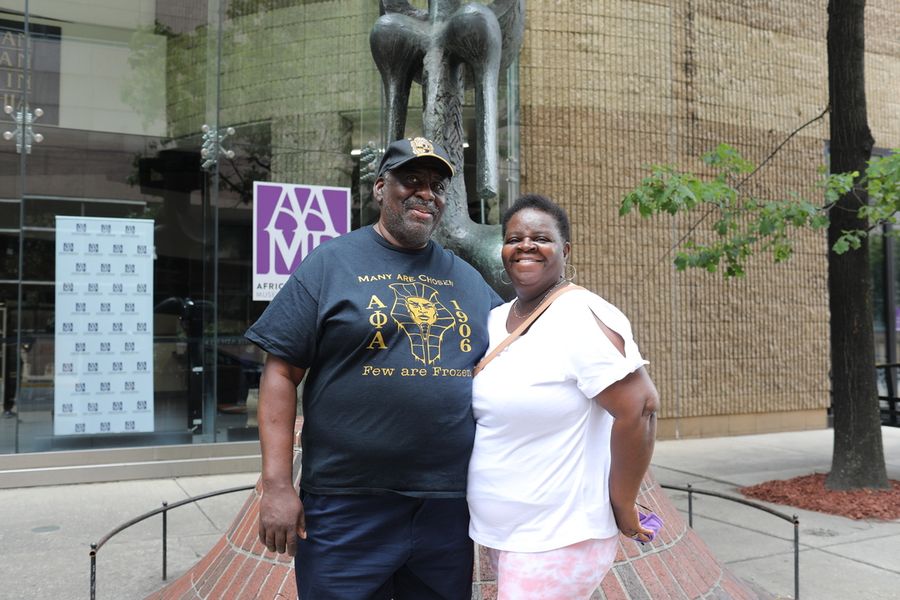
pixel 147 122
pixel 884 259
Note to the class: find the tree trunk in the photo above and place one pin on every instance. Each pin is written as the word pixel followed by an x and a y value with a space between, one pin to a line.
pixel 858 456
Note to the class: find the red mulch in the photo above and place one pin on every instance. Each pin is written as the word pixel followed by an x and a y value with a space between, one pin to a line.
pixel 809 492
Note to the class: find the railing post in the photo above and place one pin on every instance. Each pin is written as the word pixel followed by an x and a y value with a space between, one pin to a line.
pixel 793 519
pixel 796 522
pixel 165 523
pixel 95 547
pixel 690 506
pixel 93 571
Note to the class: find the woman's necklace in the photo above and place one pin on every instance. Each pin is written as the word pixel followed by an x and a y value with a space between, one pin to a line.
pixel 541 301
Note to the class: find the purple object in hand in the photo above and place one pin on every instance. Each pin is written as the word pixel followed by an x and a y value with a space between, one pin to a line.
pixel 652 522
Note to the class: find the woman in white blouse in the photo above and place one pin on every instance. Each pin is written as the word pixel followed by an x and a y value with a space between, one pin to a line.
pixel 565 423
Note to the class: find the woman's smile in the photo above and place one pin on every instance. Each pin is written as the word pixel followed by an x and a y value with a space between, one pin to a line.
pixel 534 253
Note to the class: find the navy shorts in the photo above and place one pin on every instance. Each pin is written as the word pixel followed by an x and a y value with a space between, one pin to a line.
pixel 383 547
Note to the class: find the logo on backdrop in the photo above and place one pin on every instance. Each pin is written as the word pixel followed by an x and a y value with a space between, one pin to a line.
pixel 289 220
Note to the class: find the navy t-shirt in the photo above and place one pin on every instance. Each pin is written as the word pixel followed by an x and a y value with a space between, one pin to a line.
pixel 389 338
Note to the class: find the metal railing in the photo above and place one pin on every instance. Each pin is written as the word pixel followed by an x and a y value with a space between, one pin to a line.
pixel 166 507
pixel 793 519
pixel 164 510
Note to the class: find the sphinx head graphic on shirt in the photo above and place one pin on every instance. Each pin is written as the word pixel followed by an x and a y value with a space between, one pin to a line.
pixel 418 311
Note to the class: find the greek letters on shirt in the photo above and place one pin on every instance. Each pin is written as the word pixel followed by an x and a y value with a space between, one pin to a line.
pixel 428 314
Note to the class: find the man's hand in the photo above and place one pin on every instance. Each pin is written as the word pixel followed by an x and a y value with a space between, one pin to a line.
pixel 281 520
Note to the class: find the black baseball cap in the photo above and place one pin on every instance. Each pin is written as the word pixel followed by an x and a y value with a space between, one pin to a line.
pixel 405 151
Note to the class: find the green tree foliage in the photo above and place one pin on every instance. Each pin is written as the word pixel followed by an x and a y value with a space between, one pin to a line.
pixel 741 225
pixel 144 88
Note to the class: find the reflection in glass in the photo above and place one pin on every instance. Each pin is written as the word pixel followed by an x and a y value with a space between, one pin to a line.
pixel 7 366
pixel 39 256
pixel 34 404
pixel 9 212
pixel 125 94
pixel 9 255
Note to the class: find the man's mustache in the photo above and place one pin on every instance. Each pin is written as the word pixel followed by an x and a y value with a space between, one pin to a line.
pixel 424 206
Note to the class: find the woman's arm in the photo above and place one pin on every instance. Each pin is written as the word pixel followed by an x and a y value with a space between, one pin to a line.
pixel 633 402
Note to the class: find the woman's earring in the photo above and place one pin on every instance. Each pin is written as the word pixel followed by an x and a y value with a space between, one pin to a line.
pixel 503 281
pixel 570 272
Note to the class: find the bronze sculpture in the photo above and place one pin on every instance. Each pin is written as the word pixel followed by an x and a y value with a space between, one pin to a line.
pixel 442 47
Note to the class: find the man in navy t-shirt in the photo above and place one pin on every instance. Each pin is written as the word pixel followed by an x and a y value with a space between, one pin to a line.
pixel 387 327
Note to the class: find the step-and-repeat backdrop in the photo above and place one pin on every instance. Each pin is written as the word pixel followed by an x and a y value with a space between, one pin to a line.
pixel 104 326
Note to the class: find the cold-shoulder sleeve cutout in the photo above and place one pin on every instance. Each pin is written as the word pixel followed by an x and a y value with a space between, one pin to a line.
pixel 602 350
pixel 613 336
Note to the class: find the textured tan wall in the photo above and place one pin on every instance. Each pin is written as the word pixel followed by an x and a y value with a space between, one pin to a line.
pixel 883 71
pixel 607 87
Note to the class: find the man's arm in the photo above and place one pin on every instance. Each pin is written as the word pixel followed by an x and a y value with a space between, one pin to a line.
pixel 633 402
pixel 280 512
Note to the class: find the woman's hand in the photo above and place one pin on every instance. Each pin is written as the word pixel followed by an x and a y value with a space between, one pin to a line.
pixel 629 523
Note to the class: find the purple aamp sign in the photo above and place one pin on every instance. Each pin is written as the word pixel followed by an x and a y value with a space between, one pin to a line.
pixel 289 220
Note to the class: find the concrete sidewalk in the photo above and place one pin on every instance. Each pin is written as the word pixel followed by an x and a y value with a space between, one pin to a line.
pixel 839 558
pixel 46 535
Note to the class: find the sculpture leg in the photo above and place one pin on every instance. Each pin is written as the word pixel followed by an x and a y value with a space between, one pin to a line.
pixel 398 47
pixel 473 34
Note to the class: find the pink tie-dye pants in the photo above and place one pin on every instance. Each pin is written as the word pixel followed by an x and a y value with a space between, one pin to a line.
pixel 568 573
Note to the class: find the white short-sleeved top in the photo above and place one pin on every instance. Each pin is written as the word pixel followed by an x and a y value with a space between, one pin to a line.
pixel 540 466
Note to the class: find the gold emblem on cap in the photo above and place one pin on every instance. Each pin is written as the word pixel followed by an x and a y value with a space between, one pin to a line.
pixel 420 146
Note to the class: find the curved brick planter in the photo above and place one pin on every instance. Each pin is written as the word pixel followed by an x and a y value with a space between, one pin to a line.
pixel 677 565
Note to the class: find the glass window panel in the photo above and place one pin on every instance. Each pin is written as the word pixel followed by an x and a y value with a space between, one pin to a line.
pixel 8 294
pixel 9 255
pixel 87 164
pixel 118 90
pixel 39 258
pixel 876 265
pixel 124 94
pixel 10 166
pixel 9 213
pixel 34 404
pixel 122 210
pixel 176 350
pixel 42 212
pixel 895 258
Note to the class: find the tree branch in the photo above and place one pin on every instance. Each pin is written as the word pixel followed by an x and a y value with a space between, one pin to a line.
pixel 772 154
pixel 745 179
pixel 737 186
